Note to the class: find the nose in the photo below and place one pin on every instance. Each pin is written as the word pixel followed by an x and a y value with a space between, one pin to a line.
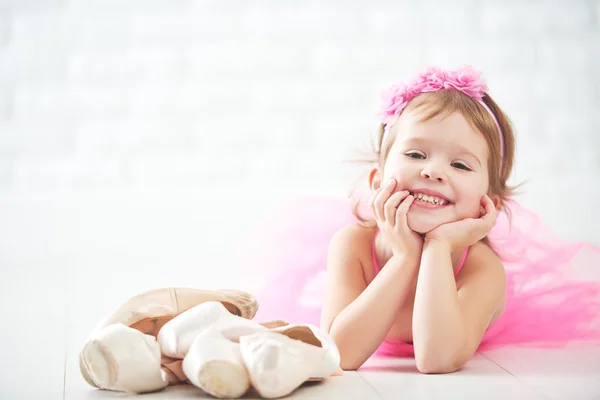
pixel 434 172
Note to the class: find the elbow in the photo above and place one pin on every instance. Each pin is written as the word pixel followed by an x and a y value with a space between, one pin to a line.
pixel 439 363
pixel 349 365
pixel 442 358
pixel 437 367
pixel 349 359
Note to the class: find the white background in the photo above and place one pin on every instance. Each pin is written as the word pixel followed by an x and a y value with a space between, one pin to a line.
pixel 139 140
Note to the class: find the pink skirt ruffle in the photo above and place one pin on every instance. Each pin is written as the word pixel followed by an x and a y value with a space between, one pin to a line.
pixel 553 286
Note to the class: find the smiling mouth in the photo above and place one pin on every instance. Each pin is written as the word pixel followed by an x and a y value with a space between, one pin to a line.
pixel 430 200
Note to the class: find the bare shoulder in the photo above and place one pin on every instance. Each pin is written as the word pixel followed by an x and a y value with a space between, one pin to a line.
pixel 353 234
pixel 482 257
pixel 352 242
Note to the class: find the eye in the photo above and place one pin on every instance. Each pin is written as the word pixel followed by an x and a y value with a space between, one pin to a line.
pixel 415 154
pixel 462 166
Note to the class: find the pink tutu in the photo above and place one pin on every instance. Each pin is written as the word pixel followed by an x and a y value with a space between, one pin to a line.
pixel 553 287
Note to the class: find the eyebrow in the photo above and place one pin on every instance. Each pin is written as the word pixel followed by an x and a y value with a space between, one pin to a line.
pixel 461 149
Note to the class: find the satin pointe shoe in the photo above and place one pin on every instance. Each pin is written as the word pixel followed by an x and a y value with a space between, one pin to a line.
pixel 282 359
pixel 176 336
pixel 124 359
pixel 317 337
pixel 206 338
pixel 147 313
pixel 214 364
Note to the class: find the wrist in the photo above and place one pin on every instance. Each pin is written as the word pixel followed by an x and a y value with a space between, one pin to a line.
pixel 437 244
pixel 405 261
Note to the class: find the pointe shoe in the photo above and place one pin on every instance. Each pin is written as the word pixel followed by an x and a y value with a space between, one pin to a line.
pixel 206 338
pixel 121 358
pixel 282 359
pixel 214 364
pixel 315 336
pixel 148 312
pixel 176 336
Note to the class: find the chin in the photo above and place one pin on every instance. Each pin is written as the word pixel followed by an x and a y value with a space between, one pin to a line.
pixel 422 225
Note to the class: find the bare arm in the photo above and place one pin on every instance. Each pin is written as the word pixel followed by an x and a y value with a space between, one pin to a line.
pixel 358 317
pixel 450 316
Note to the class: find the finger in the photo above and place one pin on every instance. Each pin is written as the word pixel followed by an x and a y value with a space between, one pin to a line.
pixel 403 210
pixel 382 197
pixel 488 218
pixel 487 203
pixel 490 208
pixel 483 205
pixel 372 200
pixel 392 204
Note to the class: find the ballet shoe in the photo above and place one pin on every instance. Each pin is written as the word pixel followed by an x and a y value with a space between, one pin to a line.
pixel 282 359
pixel 206 337
pixel 210 341
pixel 121 358
pixel 214 364
pixel 176 336
pixel 315 336
pixel 149 311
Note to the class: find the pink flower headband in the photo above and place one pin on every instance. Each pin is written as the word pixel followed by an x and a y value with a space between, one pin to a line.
pixel 465 79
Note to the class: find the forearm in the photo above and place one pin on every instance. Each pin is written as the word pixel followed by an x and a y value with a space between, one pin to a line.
pixel 361 327
pixel 439 333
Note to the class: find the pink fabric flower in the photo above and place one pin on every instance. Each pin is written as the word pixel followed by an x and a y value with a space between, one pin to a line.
pixel 394 99
pixel 468 81
pixel 465 79
pixel 429 81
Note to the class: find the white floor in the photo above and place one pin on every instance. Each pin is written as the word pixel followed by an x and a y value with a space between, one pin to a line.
pixel 65 263
pixel 42 363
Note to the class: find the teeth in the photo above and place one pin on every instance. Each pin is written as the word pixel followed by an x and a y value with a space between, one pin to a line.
pixel 430 199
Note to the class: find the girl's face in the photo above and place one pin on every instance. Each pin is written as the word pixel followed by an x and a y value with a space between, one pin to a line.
pixel 444 159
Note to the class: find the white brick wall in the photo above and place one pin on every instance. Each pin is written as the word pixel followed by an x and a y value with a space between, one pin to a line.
pixel 105 104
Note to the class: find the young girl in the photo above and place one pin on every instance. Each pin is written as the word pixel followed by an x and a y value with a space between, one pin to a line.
pixel 437 261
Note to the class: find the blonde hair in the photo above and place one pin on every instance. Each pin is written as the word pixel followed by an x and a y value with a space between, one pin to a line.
pixel 443 103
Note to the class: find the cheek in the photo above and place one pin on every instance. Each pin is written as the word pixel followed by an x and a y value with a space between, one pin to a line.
pixel 472 207
pixel 470 203
pixel 402 175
